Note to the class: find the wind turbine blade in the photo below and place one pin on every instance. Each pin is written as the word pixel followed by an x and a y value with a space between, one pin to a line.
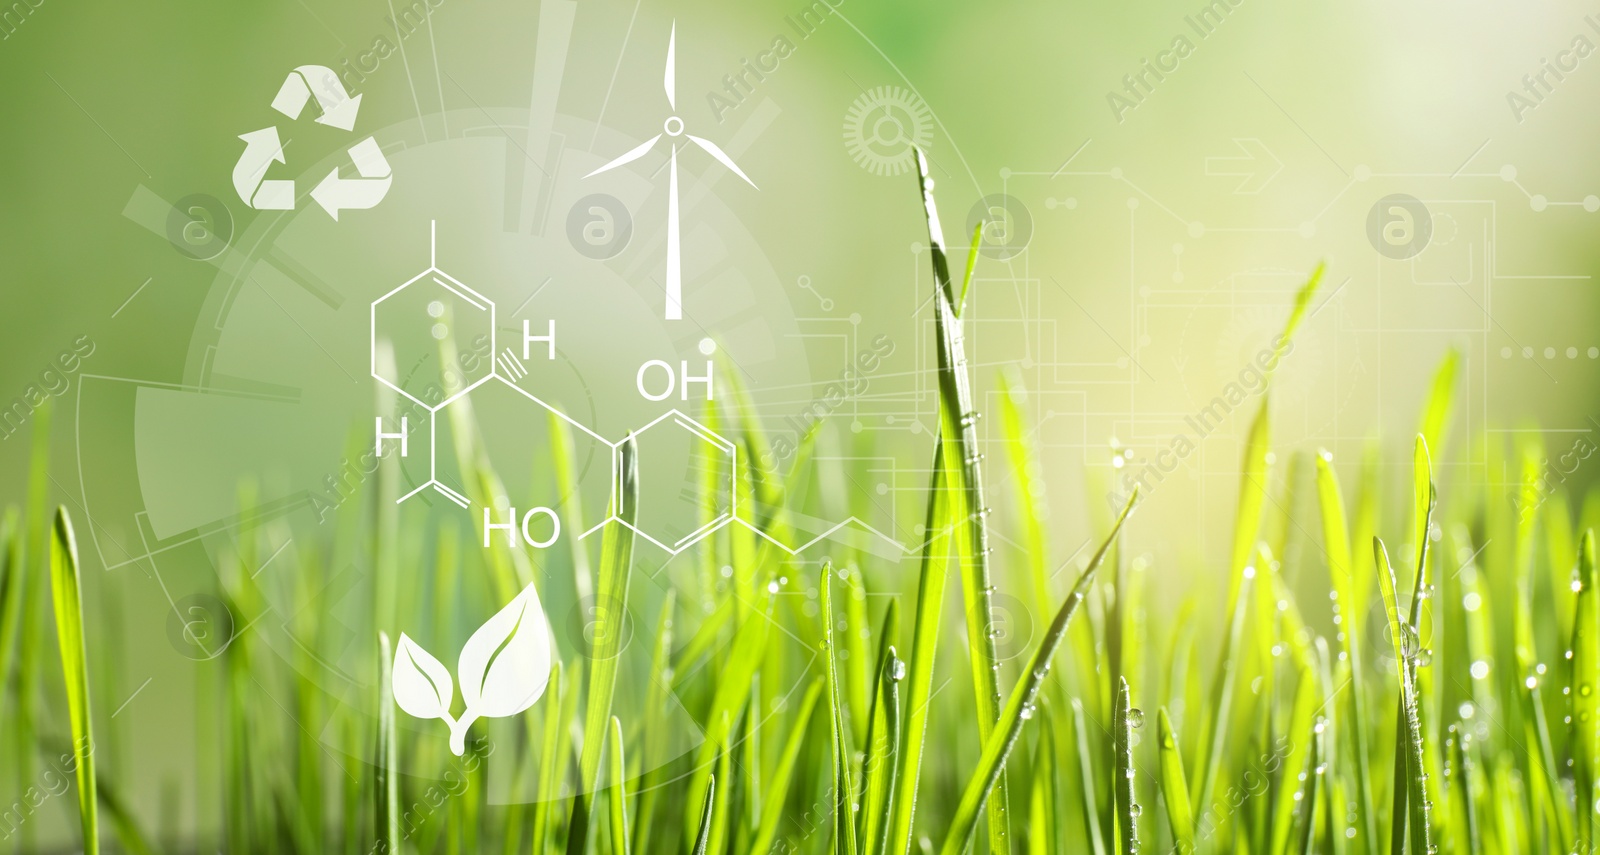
pixel 630 156
pixel 722 156
pixel 674 268
pixel 671 79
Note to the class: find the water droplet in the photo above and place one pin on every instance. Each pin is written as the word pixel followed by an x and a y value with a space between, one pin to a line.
pixel 1466 709
pixel 1136 809
pixel 1424 657
pixel 1584 689
pixel 1136 717
pixel 1479 669
pixel 898 670
pixel 1408 641
pixel 1027 712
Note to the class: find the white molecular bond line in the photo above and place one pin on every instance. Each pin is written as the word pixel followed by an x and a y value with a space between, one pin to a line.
pixel 506 368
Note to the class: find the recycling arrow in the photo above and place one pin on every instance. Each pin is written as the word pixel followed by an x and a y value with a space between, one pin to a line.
pixel 308 81
pixel 338 110
pixel 335 194
pixel 261 149
pixel 1258 166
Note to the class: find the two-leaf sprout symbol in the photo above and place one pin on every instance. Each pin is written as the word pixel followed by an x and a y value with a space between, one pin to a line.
pixel 504 668
pixel 674 128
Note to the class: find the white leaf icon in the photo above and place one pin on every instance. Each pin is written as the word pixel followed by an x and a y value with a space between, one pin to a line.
pixel 505 664
pixel 422 685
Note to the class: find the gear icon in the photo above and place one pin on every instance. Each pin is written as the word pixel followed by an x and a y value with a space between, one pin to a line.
pixel 883 125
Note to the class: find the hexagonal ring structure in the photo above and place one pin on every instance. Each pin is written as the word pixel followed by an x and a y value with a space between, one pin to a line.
pixel 442 336
pixel 725 472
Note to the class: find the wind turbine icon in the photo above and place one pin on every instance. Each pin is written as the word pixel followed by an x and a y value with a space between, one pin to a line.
pixel 673 128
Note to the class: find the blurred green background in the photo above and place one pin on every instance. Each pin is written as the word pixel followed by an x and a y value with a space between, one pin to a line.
pixel 1146 254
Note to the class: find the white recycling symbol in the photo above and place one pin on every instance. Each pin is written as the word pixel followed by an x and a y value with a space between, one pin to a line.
pixel 333 193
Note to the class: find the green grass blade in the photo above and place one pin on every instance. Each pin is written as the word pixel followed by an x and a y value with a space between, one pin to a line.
pixel 611 593
pixel 1410 804
pixel 1424 499
pixel 1441 399
pixel 1175 786
pixel 723 797
pixel 386 789
pixel 1350 612
pixel 1127 806
pixel 549 755
pixel 732 693
pixel 1043 829
pixel 882 737
pixel 858 664
pixel 1252 495
pixel 781 780
pixel 1031 512
pixel 618 795
pixel 1297 313
pixel 13 595
pixel 924 643
pixel 891 720
pixel 1461 761
pixel 1301 721
pixel 30 631
pixel 1553 788
pixel 972 266
pixel 844 792
pixel 572 520
pixel 1020 706
pixel 1086 781
pixel 123 822
pixel 1364 526
pixel 1310 789
pixel 1247 524
pixel 653 740
pixel 958 430
pixel 702 837
pixel 1582 684
pixel 67 595
pixel 706 637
